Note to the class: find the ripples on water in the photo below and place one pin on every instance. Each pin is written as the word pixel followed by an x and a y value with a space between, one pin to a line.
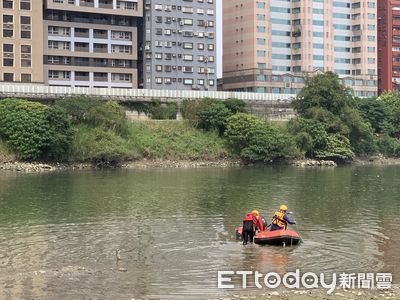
pixel 175 229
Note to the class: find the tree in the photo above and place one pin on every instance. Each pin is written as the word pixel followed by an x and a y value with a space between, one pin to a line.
pixel 374 111
pixel 391 102
pixel 326 100
pixel 310 135
pixel 324 91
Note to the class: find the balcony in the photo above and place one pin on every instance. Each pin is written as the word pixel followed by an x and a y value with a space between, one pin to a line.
pixel 100 49
pixel 82 34
pixel 100 78
pixel 86 3
pixel 81 47
pixel 105 4
pixel 81 77
pixel 100 34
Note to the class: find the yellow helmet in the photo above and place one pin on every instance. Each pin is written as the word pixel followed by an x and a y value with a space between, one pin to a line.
pixel 283 207
pixel 255 212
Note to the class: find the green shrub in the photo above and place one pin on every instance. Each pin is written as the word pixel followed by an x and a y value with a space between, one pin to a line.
pixel 159 111
pixel 310 135
pixel 240 128
pixel 337 148
pixel 389 146
pixel 60 133
pixel 34 130
pixel 255 140
pixel 235 105
pixel 108 114
pixel 99 145
pixel 192 108
pixel 213 117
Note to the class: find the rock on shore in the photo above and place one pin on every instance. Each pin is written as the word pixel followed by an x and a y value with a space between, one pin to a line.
pixel 36 167
pixel 26 167
pixel 314 163
pixel 183 164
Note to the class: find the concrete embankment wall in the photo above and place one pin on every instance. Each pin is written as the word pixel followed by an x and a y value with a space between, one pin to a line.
pixel 274 111
pixel 271 110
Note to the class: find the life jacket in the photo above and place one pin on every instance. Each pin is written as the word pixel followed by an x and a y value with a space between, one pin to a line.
pixel 278 219
pixel 260 223
pixel 250 217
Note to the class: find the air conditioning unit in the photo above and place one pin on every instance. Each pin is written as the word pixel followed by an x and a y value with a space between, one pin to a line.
pixel 174 55
pixel 174 19
pixel 174 67
pixel 195 33
pixel 173 30
pixel 181 23
pixel 146 47
pixel 179 31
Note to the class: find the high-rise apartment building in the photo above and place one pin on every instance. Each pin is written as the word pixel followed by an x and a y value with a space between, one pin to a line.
pixel 270 45
pixel 388 45
pixel 179 45
pixel 21 41
pixel 91 43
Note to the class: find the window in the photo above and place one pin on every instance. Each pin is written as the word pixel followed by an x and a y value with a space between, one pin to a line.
pixel 8 62
pixel 26 56
pixel 8 77
pixel 25 27
pixel 8 26
pixel 188 81
pixel 26 77
pixel 8 4
pixel 25 4
pixel 8 48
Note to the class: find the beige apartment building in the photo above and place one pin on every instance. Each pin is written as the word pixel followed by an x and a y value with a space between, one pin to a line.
pixel 269 46
pixel 78 43
pixel 21 42
pixel 91 43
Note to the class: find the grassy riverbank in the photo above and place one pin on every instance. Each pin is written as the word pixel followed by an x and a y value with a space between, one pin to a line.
pixel 154 140
pixel 151 140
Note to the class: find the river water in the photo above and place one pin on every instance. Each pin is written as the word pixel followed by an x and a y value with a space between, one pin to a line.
pixel 59 232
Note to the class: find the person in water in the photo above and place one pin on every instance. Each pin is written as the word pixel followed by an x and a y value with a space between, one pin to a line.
pixel 281 219
pixel 251 223
pixel 260 220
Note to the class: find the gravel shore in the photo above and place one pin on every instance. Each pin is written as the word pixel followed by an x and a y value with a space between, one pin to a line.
pixel 340 294
pixel 37 167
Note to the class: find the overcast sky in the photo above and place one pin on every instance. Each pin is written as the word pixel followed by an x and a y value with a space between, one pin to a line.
pixel 219 38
